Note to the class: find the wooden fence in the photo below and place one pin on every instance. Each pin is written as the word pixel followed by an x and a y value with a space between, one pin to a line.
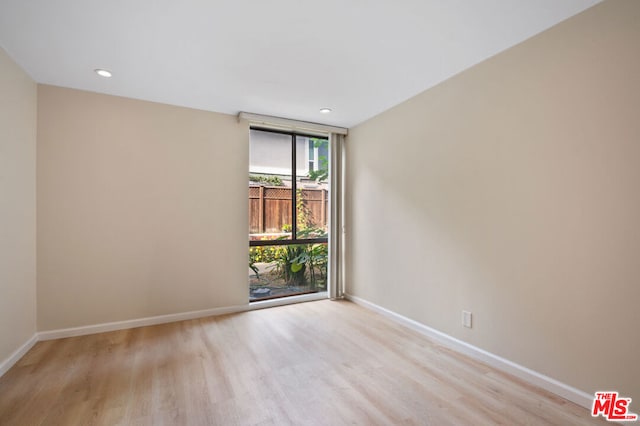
pixel 270 208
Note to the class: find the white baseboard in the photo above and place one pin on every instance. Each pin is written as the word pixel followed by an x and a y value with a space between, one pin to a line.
pixel 568 392
pixel 547 383
pixel 139 322
pixel 163 319
pixel 19 353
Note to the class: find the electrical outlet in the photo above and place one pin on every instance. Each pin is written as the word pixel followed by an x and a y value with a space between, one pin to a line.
pixel 466 319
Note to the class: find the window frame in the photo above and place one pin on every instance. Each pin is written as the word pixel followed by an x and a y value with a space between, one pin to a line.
pixel 294 240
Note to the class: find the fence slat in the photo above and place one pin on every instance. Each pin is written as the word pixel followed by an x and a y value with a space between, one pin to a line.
pixel 270 208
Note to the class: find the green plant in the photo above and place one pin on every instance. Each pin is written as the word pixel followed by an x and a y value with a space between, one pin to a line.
pixel 322 174
pixel 312 232
pixel 306 227
pixel 253 267
pixel 294 262
pixel 304 213
pixel 264 254
pixel 268 180
pixel 292 271
pixel 320 259
pixel 312 257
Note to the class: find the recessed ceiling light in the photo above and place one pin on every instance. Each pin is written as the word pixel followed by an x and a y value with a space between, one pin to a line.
pixel 325 110
pixel 103 73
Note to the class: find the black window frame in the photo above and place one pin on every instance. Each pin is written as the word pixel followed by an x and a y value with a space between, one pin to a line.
pixel 294 240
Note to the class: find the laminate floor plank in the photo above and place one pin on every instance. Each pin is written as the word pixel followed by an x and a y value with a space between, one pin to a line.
pixel 316 363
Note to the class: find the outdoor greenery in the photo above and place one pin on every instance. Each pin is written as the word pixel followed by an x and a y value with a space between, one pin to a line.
pixel 265 254
pixel 268 180
pixel 289 267
pixel 295 265
pixel 322 173
pixel 312 257
pixel 293 261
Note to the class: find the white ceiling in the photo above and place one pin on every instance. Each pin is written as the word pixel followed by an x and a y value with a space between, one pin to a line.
pixel 286 58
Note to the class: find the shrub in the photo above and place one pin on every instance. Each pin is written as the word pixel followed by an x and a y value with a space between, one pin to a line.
pixel 268 180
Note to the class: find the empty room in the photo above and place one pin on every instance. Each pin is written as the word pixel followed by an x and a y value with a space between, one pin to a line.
pixel 294 213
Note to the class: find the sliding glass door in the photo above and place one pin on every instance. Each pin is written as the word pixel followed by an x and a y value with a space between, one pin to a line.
pixel 288 214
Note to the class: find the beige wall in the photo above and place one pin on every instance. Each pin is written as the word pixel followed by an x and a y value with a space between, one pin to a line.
pixel 18 98
pixel 142 209
pixel 513 190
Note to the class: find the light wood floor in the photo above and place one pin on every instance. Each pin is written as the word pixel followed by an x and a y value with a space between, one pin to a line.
pixel 317 363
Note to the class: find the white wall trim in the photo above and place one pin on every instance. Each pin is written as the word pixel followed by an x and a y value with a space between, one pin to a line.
pixel 155 320
pixel 17 354
pixel 533 377
pixel 163 319
pixel 139 322
pixel 572 394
